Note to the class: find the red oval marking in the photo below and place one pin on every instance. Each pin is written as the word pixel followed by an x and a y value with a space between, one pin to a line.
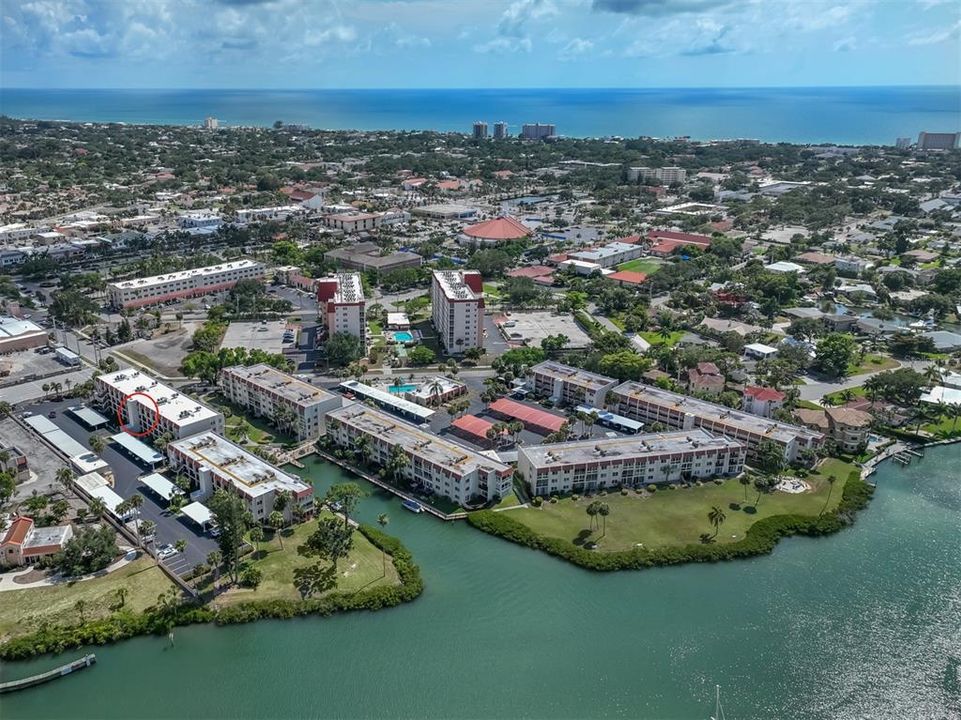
pixel 156 415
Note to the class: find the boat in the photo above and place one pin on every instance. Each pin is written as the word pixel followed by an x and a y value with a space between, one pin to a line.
pixel 718 709
pixel 413 506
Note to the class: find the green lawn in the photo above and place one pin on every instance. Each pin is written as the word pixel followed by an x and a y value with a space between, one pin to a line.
pixel 946 426
pixel 679 516
pixel 654 337
pixel 361 569
pixel 375 328
pixel 510 500
pixel 648 267
pixel 492 290
pixel 872 363
pixel 837 397
pixel 22 611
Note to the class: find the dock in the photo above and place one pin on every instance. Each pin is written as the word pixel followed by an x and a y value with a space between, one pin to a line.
pixel 23 683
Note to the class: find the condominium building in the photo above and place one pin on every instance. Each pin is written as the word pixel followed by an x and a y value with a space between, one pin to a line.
pixel 152 408
pixel 938 141
pixel 762 401
pixel 342 305
pixel 353 222
pixel 569 385
pixel 589 465
pixel 457 298
pixel 439 465
pixel 215 463
pixel 182 284
pixel 480 131
pixel 500 131
pixel 293 405
pixel 651 404
pixel 537 131
pixel 665 175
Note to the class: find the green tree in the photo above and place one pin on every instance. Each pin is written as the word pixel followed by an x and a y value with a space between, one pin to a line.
pixel 383 519
pixel 276 521
pixel 716 516
pixel 834 353
pixel 770 456
pixel 233 521
pixel 345 497
pixel 330 542
pixel 343 349
pixel 421 355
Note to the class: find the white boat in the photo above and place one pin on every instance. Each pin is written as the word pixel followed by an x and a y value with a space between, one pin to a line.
pixel 413 506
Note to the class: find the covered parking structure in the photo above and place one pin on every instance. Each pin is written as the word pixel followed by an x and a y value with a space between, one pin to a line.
pixel 139 451
pixel 388 401
pixel 161 486
pixel 55 436
pixel 199 514
pixel 88 416
pixel 535 420
pixel 609 419
pixel 112 501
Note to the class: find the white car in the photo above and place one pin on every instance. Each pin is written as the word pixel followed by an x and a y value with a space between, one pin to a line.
pixel 167 551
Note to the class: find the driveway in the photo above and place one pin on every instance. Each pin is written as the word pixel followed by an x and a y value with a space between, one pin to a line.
pixel 814 389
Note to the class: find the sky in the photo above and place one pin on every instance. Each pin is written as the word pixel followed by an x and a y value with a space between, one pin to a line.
pixel 477 43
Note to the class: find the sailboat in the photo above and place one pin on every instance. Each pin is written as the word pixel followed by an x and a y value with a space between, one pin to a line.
pixel 718 710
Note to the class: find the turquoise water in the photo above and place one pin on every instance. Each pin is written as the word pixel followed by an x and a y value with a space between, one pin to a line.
pixel 875 115
pixel 403 336
pixel 401 389
pixel 862 624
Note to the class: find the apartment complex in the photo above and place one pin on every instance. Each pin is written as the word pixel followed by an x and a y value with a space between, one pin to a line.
pixel 183 284
pixel 569 385
pixel 651 404
pixel 457 298
pixel 293 405
pixel 342 305
pixel 441 466
pixel 480 130
pixel 152 408
pixel 589 465
pixel 938 141
pixel 215 463
pixel 500 130
pixel 537 131
pixel 665 175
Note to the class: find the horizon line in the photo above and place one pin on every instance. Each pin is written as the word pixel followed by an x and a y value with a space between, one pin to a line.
pixel 477 89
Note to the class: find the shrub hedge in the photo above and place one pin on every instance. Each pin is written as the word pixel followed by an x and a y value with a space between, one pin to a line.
pixel 760 539
pixel 159 621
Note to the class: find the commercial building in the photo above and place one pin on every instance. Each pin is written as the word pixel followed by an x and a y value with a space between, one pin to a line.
pixel 590 465
pixel 938 141
pixel 151 407
pixel 16 335
pixel 438 465
pixel 480 131
pixel 182 284
pixel 665 242
pixel 651 404
pixel 537 131
pixel 215 463
pixel 23 543
pixel 493 232
pixel 342 305
pixel 457 301
pixel 608 255
pixel 293 405
pixel 500 131
pixel 665 175
pixel 570 385
pixel 280 213
pixel 353 222
pixel 368 256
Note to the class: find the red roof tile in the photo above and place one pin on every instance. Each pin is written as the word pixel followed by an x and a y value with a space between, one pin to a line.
pixel 473 425
pixel 684 238
pixel 502 228
pixel 528 415
pixel 17 532
pixel 628 276
pixel 763 393
pixel 531 272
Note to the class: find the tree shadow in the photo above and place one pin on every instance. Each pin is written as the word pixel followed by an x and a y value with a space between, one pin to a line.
pixel 582 537
pixel 750 509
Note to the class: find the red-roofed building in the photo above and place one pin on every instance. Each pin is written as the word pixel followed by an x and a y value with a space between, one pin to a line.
pixel 473 429
pixel 534 420
pixel 706 378
pixel 627 277
pixel 491 232
pixel 630 239
pixel 545 280
pixel 664 242
pixel 534 271
pixel 557 259
pixel 23 543
pixel 762 401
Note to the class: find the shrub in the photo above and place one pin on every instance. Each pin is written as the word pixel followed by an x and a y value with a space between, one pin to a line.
pixel 624 491
pixel 652 488
pixel 553 501
pixel 575 498
pixel 251 576
pixel 537 501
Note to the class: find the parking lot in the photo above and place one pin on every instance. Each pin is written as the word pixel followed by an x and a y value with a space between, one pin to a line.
pixel 127 473
pixel 42 461
pixel 533 327
pixel 265 335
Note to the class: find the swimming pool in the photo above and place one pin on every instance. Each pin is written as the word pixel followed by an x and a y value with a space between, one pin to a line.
pixel 403 336
pixel 402 388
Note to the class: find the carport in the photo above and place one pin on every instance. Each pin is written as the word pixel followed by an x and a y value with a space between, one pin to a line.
pixel 138 450
pixel 199 513
pixel 89 417
pixel 161 486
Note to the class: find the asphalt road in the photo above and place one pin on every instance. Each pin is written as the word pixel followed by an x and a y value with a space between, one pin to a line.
pixel 127 473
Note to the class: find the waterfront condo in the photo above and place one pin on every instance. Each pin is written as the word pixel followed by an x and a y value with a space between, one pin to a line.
pixel 568 385
pixel 295 406
pixel 439 465
pixel 589 465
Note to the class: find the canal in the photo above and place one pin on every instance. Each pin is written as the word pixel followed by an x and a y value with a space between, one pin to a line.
pixel 866 623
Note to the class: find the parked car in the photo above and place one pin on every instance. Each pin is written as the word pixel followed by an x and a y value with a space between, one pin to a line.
pixel 167 551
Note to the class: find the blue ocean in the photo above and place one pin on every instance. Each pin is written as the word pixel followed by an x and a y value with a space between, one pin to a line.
pixel 856 115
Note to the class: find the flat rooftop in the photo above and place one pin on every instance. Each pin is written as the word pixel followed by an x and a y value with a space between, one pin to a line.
pixel 349 288
pixel 451 283
pixel 245 471
pixel 627 448
pixel 141 450
pixel 433 449
pixel 716 413
pixel 173 405
pixel 583 378
pixel 280 383
pixel 387 398
pixel 196 273
pixel 533 327
pixel 11 327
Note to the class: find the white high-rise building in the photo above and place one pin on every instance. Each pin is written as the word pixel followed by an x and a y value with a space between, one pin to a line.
pixel 537 131
pixel 500 130
pixel 667 175
pixel 343 306
pixel 457 300
pixel 211 123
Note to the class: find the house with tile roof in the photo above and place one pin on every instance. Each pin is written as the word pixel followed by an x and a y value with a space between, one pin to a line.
pixel 23 543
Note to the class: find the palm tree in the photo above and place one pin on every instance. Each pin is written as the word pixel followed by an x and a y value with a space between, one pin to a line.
pixel 80 606
pixel 592 511
pixel 135 502
pixel 276 521
pixel 716 517
pixel 383 519
pixel 831 480
pixel 180 545
pixel 97 443
pixel 98 507
pixel 65 478
pixel 256 537
pixel 435 389
pixel 604 510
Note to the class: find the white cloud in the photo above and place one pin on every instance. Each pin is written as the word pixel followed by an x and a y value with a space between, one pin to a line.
pixel 934 36
pixel 575 48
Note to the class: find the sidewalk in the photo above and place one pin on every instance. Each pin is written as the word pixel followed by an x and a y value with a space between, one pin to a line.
pixel 7 579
